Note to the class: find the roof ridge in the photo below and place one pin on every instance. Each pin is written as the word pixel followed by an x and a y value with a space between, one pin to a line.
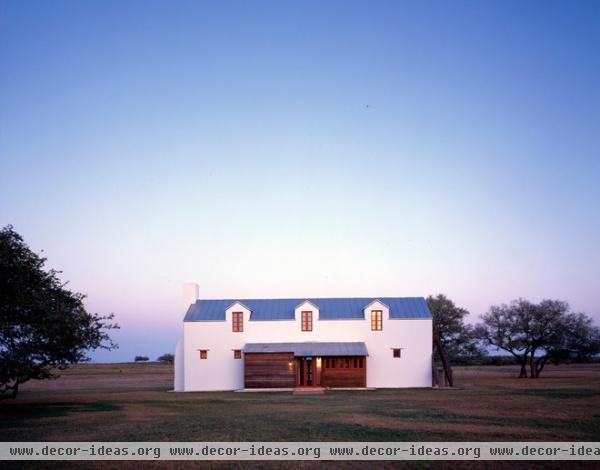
pixel 310 298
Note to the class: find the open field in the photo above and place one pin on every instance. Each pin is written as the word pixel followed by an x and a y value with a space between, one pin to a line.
pixel 129 402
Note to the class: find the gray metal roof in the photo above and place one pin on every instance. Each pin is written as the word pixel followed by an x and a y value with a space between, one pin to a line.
pixel 329 309
pixel 309 348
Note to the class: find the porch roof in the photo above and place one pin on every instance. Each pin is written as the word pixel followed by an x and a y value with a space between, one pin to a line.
pixel 310 348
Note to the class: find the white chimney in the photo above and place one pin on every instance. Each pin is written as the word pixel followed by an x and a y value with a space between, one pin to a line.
pixel 190 294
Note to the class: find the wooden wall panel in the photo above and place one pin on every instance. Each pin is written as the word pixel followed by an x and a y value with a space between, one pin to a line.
pixel 269 370
pixel 339 376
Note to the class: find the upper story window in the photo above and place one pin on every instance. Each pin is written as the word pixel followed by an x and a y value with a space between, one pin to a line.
pixel 237 322
pixel 397 352
pixel 376 320
pixel 237 353
pixel 306 321
pixel 204 354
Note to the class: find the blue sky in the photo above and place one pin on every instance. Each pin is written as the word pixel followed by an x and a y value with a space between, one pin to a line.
pixel 303 149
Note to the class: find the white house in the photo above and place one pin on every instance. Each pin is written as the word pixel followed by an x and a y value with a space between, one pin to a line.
pixel 284 343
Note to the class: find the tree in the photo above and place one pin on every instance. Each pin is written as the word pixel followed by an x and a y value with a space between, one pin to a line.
pixel 540 333
pixel 44 327
pixel 167 358
pixel 506 327
pixel 452 338
pixel 141 359
pixel 456 337
pixel 561 336
pixel 582 342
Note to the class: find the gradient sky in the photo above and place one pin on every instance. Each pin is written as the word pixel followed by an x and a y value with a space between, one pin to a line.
pixel 300 149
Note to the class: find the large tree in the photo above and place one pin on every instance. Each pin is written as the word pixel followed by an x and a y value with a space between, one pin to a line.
pixel 506 327
pixel 44 326
pixel 560 335
pixel 456 336
pixel 452 337
pixel 540 333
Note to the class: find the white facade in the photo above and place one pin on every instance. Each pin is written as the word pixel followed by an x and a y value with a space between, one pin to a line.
pixel 221 371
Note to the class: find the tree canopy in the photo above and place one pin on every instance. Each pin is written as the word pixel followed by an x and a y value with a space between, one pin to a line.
pixel 44 326
pixel 536 334
pixel 455 335
pixel 452 338
pixel 167 358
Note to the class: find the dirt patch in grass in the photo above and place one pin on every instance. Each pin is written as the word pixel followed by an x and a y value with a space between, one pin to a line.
pixel 140 412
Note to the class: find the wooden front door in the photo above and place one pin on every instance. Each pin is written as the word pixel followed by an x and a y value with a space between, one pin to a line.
pixel 306 374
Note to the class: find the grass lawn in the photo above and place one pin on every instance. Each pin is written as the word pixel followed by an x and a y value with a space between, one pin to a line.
pixel 130 403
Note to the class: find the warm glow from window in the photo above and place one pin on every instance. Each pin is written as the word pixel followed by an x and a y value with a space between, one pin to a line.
pixel 306 321
pixel 237 322
pixel 376 320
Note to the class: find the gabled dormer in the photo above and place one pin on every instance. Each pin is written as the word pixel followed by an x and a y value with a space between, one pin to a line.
pixel 237 315
pixel 376 313
pixel 305 314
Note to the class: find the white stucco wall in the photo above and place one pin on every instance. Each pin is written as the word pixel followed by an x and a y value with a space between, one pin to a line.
pixel 222 372
pixel 178 381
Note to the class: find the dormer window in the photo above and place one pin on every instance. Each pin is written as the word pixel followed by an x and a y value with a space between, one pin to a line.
pixel 376 320
pixel 306 321
pixel 237 322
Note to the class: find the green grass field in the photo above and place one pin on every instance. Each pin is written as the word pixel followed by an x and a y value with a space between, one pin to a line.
pixel 132 403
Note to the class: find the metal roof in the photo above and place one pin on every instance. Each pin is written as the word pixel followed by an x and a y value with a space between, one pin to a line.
pixel 309 348
pixel 329 309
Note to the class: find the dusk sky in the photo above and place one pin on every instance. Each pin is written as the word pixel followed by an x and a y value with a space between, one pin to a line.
pixel 302 149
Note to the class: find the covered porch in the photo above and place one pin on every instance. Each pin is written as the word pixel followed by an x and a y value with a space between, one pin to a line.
pixel 305 365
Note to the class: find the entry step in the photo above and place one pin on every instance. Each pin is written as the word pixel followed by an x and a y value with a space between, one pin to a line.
pixel 309 391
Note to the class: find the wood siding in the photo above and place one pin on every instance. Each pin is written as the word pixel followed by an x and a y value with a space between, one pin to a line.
pixel 341 376
pixel 269 370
